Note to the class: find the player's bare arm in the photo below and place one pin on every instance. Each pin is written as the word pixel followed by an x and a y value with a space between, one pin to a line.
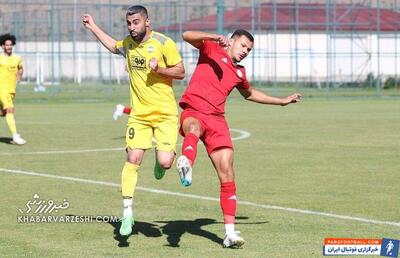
pixel 196 38
pixel 257 96
pixel 175 72
pixel 103 37
pixel 20 73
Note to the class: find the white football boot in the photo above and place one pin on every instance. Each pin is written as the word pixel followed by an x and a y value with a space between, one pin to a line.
pixel 233 240
pixel 184 170
pixel 17 139
pixel 119 110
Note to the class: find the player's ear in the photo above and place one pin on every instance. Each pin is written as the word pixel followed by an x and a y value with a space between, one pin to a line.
pixel 230 41
pixel 147 22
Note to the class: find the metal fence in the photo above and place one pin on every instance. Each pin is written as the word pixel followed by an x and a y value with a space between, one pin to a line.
pixel 323 45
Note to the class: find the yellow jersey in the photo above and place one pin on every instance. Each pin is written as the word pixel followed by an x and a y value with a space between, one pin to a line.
pixel 9 66
pixel 151 93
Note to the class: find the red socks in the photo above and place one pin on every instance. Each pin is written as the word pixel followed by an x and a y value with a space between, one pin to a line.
pixel 127 110
pixel 189 147
pixel 228 201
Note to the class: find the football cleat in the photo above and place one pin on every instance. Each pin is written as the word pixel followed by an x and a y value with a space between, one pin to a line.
pixel 126 226
pixel 159 172
pixel 17 139
pixel 119 110
pixel 184 170
pixel 233 241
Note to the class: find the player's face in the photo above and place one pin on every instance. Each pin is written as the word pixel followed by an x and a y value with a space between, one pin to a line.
pixel 137 26
pixel 239 48
pixel 8 47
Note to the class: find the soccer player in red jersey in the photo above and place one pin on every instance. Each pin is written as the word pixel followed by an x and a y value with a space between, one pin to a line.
pixel 203 102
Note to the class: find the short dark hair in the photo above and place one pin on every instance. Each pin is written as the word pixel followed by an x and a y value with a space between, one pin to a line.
pixel 245 33
pixel 134 9
pixel 8 36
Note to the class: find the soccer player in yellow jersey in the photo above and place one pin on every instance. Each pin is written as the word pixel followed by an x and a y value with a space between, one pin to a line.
pixel 10 73
pixel 153 61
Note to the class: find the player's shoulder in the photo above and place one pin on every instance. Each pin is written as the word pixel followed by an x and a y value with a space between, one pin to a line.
pixel 209 43
pixel 160 37
pixel 127 39
pixel 12 59
pixel 240 67
pixel 17 57
pixel 211 46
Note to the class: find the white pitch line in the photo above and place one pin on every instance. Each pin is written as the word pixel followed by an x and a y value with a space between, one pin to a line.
pixel 59 152
pixel 242 135
pixel 199 197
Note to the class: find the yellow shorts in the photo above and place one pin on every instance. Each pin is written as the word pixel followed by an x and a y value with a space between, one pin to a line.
pixel 7 100
pixel 140 131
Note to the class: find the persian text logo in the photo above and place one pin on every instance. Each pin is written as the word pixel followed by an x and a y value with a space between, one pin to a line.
pixel 39 206
pixel 39 210
pixel 360 246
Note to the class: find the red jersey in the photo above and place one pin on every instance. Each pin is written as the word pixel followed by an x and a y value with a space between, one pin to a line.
pixel 213 80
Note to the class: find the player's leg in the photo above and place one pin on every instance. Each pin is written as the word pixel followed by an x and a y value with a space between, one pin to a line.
pixel 8 104
pixel 191 130
pixel 163 162
pixel 2 110
pixel 13 128
pixel 166 136
pixel 120 110
pixel 128 183
pixel 138 139
pixel 222 160
pixel 218 143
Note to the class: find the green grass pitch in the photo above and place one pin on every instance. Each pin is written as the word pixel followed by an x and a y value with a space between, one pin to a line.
pixel 337 156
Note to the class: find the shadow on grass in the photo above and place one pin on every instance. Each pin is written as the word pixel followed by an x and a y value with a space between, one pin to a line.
pixel 6 140
pixel 147 229
pixel 174 229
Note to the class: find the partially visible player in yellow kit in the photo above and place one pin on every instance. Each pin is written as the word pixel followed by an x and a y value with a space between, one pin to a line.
pixel 153 61
pixel 10 73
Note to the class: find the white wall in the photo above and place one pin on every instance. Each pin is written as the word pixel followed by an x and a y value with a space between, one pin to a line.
pixel 282 57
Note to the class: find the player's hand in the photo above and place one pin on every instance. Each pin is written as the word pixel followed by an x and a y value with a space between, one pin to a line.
pixel 294 98
pixel 88 21
pixel 222 40
pixel 153 63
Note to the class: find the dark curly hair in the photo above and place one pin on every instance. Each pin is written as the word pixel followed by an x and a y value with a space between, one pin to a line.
pixel 5 37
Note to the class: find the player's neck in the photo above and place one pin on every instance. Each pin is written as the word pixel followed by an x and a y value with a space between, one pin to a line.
pixel 6 54
pixel 146 37
pixel 229 52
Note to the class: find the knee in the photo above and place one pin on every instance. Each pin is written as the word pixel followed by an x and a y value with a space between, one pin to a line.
pixel 194 128
pixel 10 110
pixel 165 163
pixel 226 174
pixel 134 159
pixel 192 125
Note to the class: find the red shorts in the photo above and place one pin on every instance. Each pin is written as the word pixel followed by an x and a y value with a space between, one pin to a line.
pixel 214 130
